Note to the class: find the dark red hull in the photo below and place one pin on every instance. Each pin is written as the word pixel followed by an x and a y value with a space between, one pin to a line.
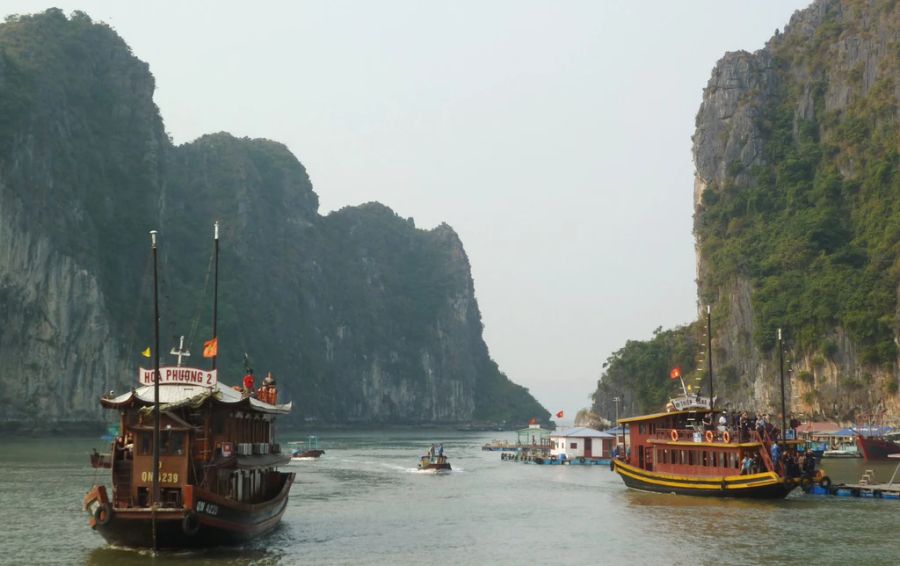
pixel 309 454
pixel 213 521
pixel 875 448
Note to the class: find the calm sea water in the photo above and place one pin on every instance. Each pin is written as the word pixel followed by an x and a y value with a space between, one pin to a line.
pixel 364 503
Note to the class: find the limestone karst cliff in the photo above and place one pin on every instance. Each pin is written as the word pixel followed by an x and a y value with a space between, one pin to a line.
pixel 797 219
pixel 361 316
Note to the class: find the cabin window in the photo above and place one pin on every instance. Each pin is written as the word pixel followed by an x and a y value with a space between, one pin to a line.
pixel 145 443
pixel 573 445
pixel 715 460
pixel 218 424
pixel 692 458
pixel 171 443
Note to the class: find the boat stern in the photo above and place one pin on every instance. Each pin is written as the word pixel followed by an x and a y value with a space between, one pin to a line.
pixel 96 504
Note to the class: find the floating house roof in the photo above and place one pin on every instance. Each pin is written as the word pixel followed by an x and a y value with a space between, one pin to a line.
pixel 582 432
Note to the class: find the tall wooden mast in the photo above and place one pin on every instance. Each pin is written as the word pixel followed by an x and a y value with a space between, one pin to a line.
pixel 215 290
pixel 154 499
pixel 709 354
pixel 781 371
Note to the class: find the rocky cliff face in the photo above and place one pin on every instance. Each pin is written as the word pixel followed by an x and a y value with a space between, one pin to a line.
pixel 797 225
pixel 810 118
pixel 361 316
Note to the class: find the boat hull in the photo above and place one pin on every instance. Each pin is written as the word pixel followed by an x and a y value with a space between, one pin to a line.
pixel 874 448
pixel 756 486
pixel 307 455
pixel 445 467
pixel 211 521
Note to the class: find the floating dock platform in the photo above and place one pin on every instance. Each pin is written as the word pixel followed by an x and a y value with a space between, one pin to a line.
pixel 874 491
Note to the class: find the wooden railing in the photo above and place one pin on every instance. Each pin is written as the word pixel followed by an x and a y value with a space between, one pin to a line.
pixel 687 435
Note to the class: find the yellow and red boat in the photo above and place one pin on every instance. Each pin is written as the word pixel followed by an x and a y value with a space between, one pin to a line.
pixel 671 453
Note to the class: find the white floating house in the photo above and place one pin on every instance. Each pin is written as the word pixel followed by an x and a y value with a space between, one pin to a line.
pixel 582 442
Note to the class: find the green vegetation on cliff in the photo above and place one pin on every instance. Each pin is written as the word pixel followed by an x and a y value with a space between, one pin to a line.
pixel 798 222
pixel 639 373
pixel 817 230
pixel 362 316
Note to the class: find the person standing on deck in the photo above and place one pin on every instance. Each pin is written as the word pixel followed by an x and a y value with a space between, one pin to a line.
pixel 776 456
pixel 746 464
pixel 248 382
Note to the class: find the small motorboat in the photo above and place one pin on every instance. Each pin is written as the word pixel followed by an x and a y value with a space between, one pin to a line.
pixel 437 463
pixel 309 451
pixel 434 459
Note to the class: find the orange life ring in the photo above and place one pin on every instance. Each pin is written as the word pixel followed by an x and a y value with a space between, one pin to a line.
pixel 674 435
pixel 726 438
pixel 709 436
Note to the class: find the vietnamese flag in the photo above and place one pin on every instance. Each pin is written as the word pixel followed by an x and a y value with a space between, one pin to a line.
pixel 675 373
pixel 211 348
pixel 560 414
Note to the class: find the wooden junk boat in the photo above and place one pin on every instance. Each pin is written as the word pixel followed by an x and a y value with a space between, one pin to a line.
pixel 218 477
pixel 205 473
pixel 672 452
pixel 667 454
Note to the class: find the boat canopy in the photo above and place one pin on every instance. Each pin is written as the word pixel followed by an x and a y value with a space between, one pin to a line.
pixel 174 396
pixel 655 416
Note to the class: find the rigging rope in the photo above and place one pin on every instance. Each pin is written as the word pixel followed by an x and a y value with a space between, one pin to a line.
pixel 196 321
pixel 142 296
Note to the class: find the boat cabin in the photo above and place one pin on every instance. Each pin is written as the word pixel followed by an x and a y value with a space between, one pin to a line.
pixel 582 442
pixel 679 442
pixel 215 438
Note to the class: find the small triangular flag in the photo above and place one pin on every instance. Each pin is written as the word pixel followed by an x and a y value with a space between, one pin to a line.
pixel 211 348
pixel 146 353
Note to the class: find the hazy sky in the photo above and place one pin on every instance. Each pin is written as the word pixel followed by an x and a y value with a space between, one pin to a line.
pixel 553 136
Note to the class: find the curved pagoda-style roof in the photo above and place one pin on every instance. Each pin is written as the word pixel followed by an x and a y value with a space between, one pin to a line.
pixel 172 396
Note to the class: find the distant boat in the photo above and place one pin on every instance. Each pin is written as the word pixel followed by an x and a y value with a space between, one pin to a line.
pixel 877 443
pixel 434 461
pixel 310 451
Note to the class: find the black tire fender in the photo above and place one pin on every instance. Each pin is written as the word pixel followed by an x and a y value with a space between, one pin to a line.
pixel 581 460
pixel 190 524
pixel 103 514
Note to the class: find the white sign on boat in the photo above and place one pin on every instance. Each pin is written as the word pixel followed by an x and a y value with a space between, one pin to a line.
pixel 180 376
pixel 690 402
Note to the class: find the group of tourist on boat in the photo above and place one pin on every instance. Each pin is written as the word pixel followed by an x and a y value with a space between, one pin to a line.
pixel 742 425
pixel 267 392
